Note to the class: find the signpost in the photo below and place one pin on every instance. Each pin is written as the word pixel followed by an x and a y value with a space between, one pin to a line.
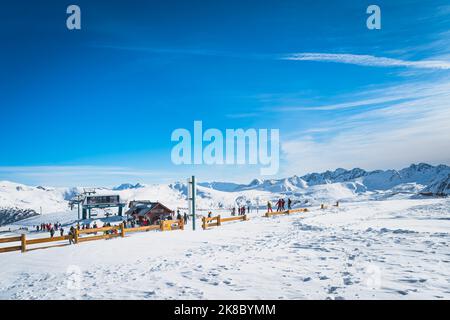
pixel 191 198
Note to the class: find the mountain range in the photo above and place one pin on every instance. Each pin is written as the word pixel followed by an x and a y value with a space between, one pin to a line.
pixel 18 201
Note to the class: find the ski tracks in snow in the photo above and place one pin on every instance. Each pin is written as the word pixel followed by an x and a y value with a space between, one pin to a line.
pixel 329 254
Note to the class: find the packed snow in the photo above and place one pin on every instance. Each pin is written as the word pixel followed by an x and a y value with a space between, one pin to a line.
pixel 385 240
pixel 393 249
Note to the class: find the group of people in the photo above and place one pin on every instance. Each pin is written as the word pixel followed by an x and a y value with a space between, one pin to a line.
pixel 51 228
pixel 240 210
pixel 183 217
pixel 144 221
pixel 281 205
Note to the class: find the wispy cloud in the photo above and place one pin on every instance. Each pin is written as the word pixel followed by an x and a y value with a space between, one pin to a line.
pixel 76 175
pixel 391 135
pixel 367 60
pixel 377 97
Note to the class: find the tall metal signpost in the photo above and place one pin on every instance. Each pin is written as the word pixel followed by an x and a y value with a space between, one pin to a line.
pixel 191 199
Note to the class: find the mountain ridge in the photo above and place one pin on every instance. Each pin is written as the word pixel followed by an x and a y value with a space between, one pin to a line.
pixel 421 178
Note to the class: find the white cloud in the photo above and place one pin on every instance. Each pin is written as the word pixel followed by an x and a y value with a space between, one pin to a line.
pixel 367 60
pixel 76 175
pixel 396 135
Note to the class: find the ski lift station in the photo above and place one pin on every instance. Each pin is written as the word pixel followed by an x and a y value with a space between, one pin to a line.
pixel 101 202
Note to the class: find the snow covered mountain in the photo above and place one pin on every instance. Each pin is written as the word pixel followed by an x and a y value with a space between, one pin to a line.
pixel 126 186
pixel 440 186
pixel 19 201
pixel 357 179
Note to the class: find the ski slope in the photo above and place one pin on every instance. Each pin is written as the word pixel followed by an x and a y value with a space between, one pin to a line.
pixel 388 249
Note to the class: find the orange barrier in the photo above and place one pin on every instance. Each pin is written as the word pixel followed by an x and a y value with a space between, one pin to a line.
pixel 106 233
pixel 206 221
pixel 291 211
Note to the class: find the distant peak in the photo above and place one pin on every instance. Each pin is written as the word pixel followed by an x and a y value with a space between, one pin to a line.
pixel 126 186
pixel 256 182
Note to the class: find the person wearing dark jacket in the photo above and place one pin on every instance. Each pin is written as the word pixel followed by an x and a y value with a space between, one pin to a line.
pixel 279 205
pixel 72 235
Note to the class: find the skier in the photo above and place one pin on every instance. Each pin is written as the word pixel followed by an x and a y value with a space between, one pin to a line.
pixel 61 230
pixel 52 232
pixel 269 207
pixel 248 209
pixel 289 204
pixel 178 215
pixel 209 214
pixel 282 204
pixel 185 218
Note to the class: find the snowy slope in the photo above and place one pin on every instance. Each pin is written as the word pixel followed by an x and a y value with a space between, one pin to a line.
pixel 396 249
pixel 14 195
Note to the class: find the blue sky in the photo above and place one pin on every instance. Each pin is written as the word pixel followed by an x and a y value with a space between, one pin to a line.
pixel 97 106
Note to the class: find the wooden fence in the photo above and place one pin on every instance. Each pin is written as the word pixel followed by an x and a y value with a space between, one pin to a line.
pixel 88 235
pixel 323 206
pixel 207 222
pixel 291 211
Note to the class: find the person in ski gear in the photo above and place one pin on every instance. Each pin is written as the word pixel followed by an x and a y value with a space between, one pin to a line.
pixel 279 205
pixel 185 218
pixel 71 235
pixel 61 231
pixel 269 207
pixel 52 232
pixel 289 204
